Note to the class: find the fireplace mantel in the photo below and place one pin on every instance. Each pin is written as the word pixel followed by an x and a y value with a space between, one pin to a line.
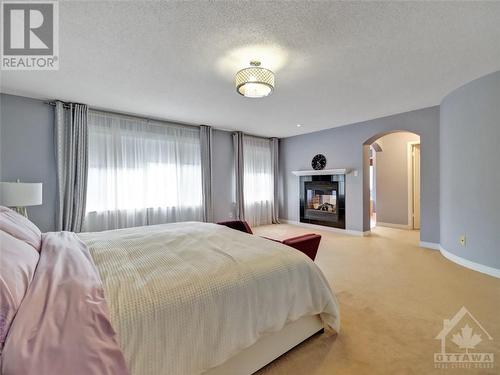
pixel 321 172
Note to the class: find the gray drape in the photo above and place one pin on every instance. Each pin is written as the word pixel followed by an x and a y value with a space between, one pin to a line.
pixel 275 168
pixel 71 147
pixel 238 174
pixel 206 172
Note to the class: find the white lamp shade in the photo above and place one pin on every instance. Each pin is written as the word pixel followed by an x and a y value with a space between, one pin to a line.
pixel 20 194
pixel 254 82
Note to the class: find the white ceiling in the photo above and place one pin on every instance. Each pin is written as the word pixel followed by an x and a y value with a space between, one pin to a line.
pixel 336 62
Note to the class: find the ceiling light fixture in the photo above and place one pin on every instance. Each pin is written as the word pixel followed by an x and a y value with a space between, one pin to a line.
pixel 254 82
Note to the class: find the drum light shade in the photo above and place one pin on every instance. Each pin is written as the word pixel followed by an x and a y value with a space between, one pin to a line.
pixel 20 194
pixel 254 82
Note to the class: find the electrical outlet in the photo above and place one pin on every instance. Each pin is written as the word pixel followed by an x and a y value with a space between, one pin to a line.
pixel 461 240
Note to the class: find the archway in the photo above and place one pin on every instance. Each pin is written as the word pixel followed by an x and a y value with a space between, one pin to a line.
pixel 391 180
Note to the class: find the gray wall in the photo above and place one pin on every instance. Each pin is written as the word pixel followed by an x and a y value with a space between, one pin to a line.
pixel 223 175
pixel 391 179
pixel 470 164
pixel 27 151
pixel 343 148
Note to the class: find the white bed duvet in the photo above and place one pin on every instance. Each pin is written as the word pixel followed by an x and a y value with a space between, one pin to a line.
pixel 186 297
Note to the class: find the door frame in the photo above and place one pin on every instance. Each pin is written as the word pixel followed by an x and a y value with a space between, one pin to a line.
pixel 410 145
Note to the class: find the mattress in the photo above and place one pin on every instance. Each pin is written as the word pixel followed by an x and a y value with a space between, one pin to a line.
pixel 186 297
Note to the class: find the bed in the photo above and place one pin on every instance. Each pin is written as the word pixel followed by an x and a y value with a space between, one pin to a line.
pixel 183 298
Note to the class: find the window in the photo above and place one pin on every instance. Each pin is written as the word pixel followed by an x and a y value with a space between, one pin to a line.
pixel 141 172
pixel 258 181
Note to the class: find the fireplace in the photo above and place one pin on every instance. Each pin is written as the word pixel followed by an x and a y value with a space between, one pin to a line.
pixel 322 200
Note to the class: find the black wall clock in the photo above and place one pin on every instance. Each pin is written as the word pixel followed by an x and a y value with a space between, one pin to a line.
pixel 318 162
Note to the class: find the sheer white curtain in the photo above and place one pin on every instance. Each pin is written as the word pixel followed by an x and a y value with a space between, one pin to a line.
pixel 258 180
pixel 141 172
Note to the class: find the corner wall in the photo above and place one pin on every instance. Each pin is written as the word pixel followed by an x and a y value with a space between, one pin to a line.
pixel 343 148
pixel 470 171
pixel 27 151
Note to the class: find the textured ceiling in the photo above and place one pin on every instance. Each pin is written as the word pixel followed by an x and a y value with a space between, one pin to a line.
pixel 336 62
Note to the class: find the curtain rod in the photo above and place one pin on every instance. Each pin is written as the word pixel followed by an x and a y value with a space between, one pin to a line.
pixel 67 105
pixel 251 135
pixel 148 119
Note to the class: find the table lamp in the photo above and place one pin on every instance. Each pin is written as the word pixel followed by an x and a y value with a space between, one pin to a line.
pixel 18 195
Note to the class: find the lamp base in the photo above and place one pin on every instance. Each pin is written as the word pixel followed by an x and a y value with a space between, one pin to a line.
pixel 22 211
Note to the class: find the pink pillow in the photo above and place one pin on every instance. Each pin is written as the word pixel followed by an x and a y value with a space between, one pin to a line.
pixel 17 266
pixel 19 227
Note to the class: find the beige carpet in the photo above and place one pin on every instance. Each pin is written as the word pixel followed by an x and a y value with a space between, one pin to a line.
pixel 393 298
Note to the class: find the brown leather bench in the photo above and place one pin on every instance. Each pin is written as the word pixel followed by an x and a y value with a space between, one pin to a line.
pixel 307 243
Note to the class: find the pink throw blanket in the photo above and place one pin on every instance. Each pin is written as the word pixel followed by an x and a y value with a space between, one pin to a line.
pixel 62 325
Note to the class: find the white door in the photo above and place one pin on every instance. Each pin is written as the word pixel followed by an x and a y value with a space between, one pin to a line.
pixel 416 186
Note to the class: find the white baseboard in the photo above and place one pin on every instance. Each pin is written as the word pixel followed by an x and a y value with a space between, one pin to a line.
pixel 495 272
pixel 430 245
pixel 390 225
pixel 322 227
pixel 461 261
